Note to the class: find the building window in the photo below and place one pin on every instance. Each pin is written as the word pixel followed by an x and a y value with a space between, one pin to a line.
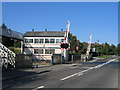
pixel 38 51
pixel 52 51
pixel 52 40
pixel 49 51
pixel 47 41
pixel 62 40
pixel 28 41
pixel 39 40
pixel 35 51
pixel 58 40
pixel 36 40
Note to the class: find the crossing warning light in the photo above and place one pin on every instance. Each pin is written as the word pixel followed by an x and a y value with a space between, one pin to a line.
pixel 64 45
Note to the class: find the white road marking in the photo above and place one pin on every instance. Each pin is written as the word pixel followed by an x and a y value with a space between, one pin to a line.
pixel 73 67
pixel 100 65
pixel 38 88
pixel 92 61
pixel 86 67
pixel 81 73
pixel 69 76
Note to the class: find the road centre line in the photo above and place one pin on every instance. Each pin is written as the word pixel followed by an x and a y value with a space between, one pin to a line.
pixel 38 88
pixel 73 67
pixel 98 66
pixel 69 76
pixel 81 73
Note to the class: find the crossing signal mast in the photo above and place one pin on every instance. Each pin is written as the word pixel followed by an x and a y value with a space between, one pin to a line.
pixel 89 45
pixel 65 46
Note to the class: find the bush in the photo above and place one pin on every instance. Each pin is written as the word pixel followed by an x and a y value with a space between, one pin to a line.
pixel 15 50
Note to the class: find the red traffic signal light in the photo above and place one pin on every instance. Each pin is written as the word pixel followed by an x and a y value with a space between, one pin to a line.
pixel 64 45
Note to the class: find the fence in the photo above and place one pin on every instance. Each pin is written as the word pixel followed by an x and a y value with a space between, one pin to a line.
pixel 29 61
pixel 24 61
pixel 75 57
pixel 56 59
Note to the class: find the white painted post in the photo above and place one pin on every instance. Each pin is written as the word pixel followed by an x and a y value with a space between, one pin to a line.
pixel 72 57
pixel 21 46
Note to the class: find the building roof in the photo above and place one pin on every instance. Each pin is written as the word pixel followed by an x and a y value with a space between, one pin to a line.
pixel 44 34
pixel 10 33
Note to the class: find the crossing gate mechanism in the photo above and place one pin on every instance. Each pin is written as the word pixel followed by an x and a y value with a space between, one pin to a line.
pixel 65 46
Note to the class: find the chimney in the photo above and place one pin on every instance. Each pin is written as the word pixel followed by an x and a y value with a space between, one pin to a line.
pixel 46 30
pixel 32 29
pixel 61 29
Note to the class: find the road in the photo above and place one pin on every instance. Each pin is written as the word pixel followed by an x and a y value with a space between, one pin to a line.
pixel 101 73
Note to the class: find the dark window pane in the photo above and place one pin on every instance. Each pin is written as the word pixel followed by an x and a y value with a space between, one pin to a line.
pixel 46 40
pixel 62 40
pixel 58 40
pixel 52 40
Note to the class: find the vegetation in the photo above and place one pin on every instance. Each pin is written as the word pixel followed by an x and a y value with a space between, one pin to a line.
pixel 76 47
pixel 13 45
pixel 4 26
pixel 100 49
pixel 105 56
pixel 15 50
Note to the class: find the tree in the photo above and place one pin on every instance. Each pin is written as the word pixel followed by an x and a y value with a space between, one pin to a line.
pixel 73 40
pixel 101 49
pixel 75 45
pixel 4 26
pixel 112 50
pixel 118 49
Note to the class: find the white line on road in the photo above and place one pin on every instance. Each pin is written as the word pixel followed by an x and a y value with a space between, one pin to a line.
pixel 69 76
pixel 38 88
pixel 86 67
pixel 100 65
pixel 81 73
pixel 73 67
pixel 92 61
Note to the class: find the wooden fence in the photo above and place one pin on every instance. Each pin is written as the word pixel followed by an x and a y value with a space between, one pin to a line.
pixel 24 61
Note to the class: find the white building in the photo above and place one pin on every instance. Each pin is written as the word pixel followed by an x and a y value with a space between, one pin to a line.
pixel 43 44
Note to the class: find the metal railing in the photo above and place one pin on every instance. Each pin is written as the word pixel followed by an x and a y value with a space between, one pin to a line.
pixel 7 57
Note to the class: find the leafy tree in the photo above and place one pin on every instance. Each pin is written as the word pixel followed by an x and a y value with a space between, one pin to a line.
pixel 101 49
pixel 74 44
pixel 4 26
pixel 112 50
pixel 118 49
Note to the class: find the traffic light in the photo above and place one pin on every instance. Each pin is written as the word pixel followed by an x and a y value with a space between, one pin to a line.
pixel 64 45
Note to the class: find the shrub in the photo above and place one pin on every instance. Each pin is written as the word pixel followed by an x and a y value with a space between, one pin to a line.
pixel 15 50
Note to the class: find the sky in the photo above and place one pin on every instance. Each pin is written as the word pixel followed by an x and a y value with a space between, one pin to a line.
pixel 98 18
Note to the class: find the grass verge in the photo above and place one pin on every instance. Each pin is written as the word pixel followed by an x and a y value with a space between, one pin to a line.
pixel 104 56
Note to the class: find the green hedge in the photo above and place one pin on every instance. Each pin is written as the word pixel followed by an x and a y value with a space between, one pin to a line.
pixel 15 50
